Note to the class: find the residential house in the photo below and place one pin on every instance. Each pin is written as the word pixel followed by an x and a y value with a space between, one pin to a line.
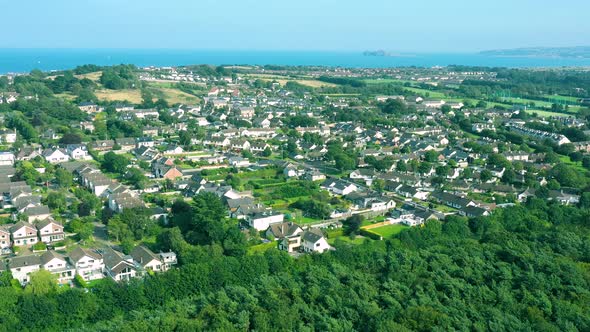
pixel 89 264
pixel 56 155
pixel 5 237
pixel 22 266
pixel 58 265
pixel 313 240
pixel 23 234
pixel 262 220
pixel 118 266
pixel 50 231
pixel 148 260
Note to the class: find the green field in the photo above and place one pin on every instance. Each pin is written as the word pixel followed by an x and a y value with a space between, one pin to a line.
pixel 389 230
pixel 568 99
pixel 430 94
pixel 261 248
pixel 546 113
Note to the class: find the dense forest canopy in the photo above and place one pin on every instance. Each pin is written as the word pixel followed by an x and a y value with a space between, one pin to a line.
pixel 523 268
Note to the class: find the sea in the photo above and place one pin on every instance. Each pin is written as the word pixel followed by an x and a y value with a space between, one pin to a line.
pixel 25 60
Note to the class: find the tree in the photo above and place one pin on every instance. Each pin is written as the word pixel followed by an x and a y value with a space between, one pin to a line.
pixel 42 282
pixel 70 138
pixel 136 178
pixel 82 227
pixel 115 163
pixel 63 178
pixel 56 200
pixel 431 156
pixel 485 175
pixel 267 152
pixel 352 225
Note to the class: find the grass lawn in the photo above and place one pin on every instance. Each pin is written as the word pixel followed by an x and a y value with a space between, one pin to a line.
pixel 91 76
pixel 261 248
pixel 577 165
pixel 431 94
pixel 175 96
pixel 568 99
pixel 389 230
pixel 130 95
pixel 357 240
pixel 546 113
pixel 539 103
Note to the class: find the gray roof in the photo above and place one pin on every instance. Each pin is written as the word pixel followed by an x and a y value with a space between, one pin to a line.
pixel 79 252
pixel 22 261
pixel 47 256
pixel 284 229
pixel 313 235
pixel 143 255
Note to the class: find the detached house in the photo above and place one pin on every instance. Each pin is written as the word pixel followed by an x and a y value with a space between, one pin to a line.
pixel 56 263
pixel 55 155
pixel 150 261
pixel 22 266
pixel 50 231
pixel 88 263
pixel 313 240
pixel 118 266
pixel 5 237
pixel 23 234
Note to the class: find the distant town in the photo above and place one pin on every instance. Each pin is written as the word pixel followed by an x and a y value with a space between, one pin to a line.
pixel 122 172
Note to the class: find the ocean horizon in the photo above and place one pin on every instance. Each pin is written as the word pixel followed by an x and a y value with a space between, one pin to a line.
pixel 25 60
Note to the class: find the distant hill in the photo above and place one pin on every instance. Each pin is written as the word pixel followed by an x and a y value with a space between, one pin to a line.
pixel 562 52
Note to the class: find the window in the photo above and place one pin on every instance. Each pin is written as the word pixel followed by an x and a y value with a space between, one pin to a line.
pixel 317 244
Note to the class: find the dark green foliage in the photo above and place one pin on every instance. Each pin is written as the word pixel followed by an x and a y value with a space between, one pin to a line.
pixel 523 268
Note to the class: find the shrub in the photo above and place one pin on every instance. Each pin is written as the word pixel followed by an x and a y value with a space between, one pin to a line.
pixel 39 246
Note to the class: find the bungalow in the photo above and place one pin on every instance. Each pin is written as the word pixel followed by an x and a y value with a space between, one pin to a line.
pixel 88 263
pixel 56 155
pixel 239 162
pixel 102 145
pixel 147 259
pixel 338 187
pixel 452 200
pixel 313 175
pixel 147 142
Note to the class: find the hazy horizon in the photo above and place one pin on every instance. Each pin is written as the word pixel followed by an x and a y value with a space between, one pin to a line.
pixel 454 26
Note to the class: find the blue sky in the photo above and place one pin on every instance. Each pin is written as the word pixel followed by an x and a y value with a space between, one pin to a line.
pixel 393 25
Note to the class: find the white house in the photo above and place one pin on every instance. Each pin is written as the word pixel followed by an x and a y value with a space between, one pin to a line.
pixel 118 266
pixel 22 266
pixel 313 240
pixel 89 264
pixel 8 136
pixel 148 260
pixel 57 264
pixel 262 220
pixel 23 234
pixel 4 238
pixel 56 155
pixel 50 231
pixel 77 151
pixel 6 158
